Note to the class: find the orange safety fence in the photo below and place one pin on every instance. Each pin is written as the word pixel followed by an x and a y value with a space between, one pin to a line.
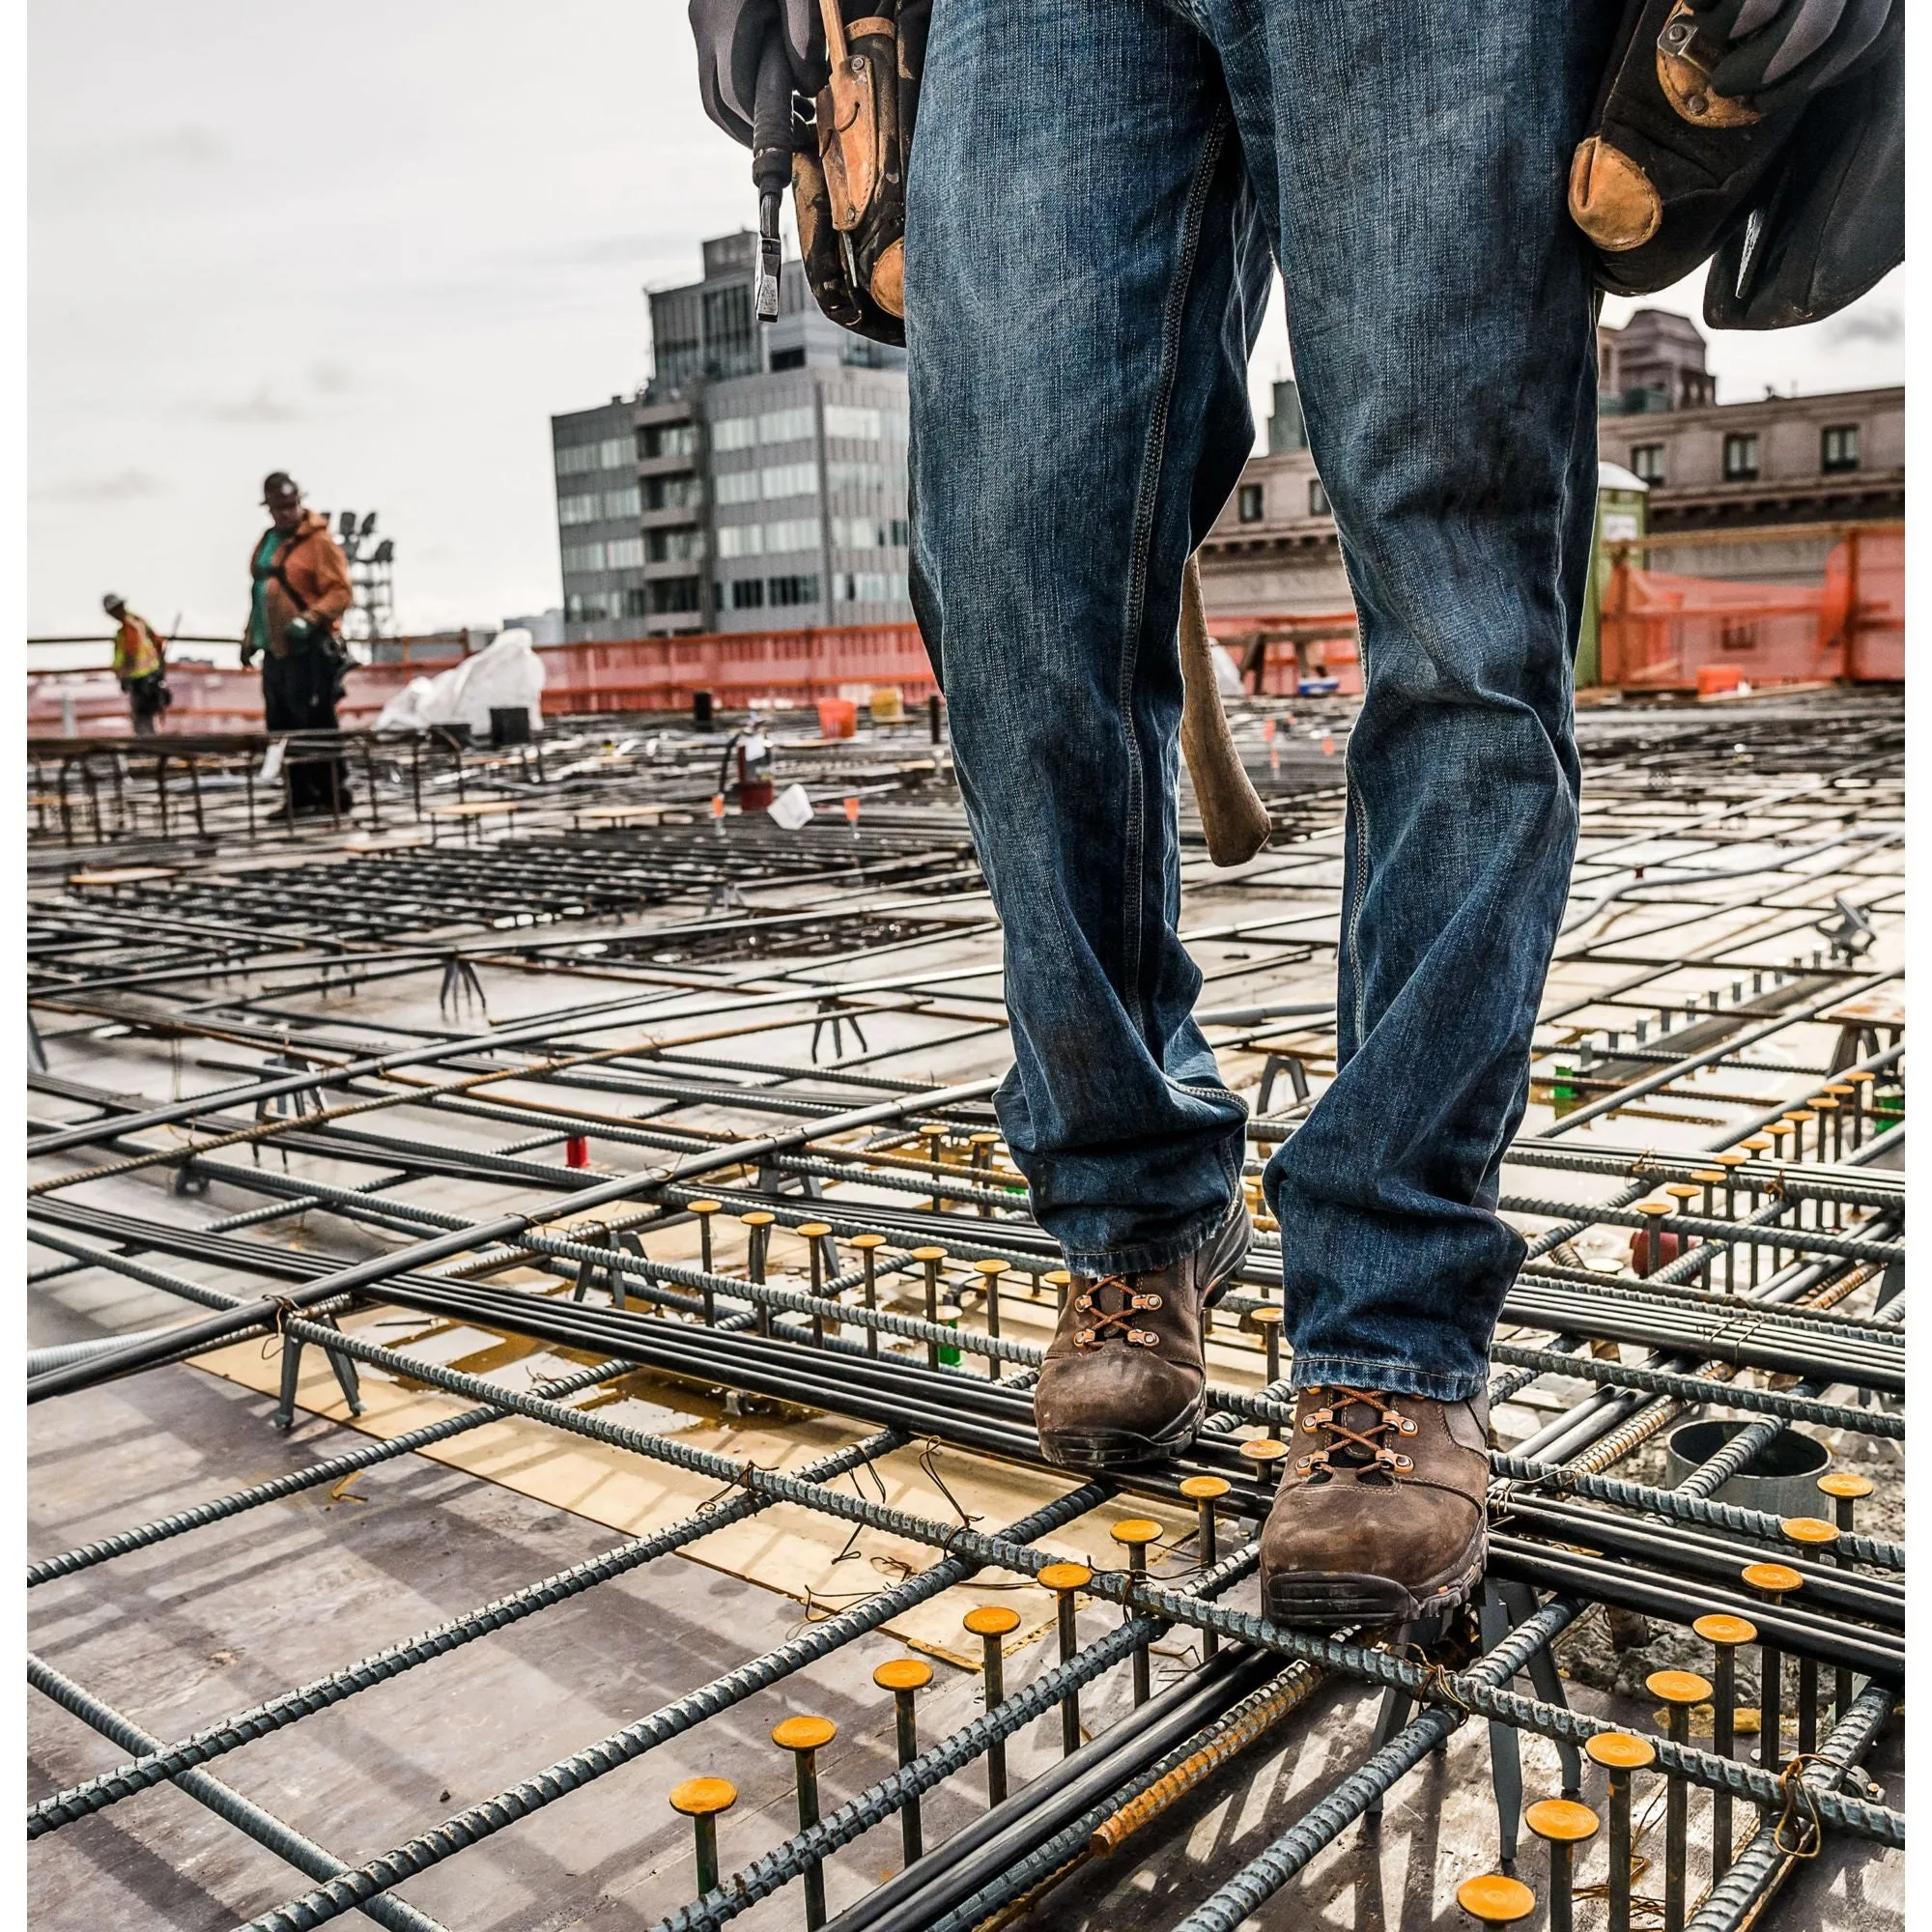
pixel 1668 633
pixel 1659 633
pixel 776 669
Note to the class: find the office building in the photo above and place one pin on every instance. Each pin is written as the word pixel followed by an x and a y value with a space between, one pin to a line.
pixel 757 481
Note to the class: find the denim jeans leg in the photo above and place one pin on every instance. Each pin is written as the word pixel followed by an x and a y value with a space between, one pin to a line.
pixel 1412 162
pixel 1085 273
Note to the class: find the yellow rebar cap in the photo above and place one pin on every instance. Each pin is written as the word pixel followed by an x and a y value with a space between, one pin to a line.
pixel 991 1620
pixel 1678 1687
pixel 703 1797
pixel 1495 1900
pixel 1813 1531
pixel 1775 1579
pixel 1718 1627
pixel 904 1673
pixel 1136 1531
pixel 804 1734
pixel 1204 1489
pixel 1619 1751
pixel 1561 1820
pixel 1845 1483
pixel 1064 1576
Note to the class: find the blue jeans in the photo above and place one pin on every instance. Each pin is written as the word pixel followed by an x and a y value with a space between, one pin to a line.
pixel 1099 190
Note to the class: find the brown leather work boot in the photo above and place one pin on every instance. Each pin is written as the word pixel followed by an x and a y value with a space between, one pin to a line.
pixel 1381 1516
pixel 1124 1380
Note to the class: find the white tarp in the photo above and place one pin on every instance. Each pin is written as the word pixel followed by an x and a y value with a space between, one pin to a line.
pixel 504 675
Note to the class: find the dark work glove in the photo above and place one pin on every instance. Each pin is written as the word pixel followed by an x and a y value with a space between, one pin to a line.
pixel 732 36
pixel 299 631
pixel 1780 49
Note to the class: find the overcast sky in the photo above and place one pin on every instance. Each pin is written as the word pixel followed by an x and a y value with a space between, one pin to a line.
pixel 378 246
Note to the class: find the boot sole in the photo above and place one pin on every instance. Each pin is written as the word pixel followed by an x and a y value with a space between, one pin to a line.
pixel 1119 1448
pixel 1322 1600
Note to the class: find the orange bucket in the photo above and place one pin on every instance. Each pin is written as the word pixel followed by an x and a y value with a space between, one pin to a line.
pixel 837 718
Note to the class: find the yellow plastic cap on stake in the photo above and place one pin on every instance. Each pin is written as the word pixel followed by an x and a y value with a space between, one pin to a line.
pixel 1620 1750
pixel 992 1620
pixel 801 1734
pixel 904 1673
pixel 1204 1489
pixel 1561 1821
pixel 703 1797
pixel 1812 1532
pixel 1495 1900
pixel 1845 1483
pixel 1678 1687
pixel 1717 1627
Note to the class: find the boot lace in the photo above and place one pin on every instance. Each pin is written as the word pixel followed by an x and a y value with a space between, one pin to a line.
pixel 1369 1453
pixel 1104 1324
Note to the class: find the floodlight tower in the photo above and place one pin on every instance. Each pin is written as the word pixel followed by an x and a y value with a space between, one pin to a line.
pixel 371 567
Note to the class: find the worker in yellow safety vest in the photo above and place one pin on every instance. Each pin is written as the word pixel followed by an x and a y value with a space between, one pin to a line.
pixel 140 663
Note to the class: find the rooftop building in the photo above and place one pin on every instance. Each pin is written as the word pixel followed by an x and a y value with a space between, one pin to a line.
pixel 1796 466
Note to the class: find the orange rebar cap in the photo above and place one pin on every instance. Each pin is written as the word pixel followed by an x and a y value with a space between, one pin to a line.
pixel 804 1734
pixel 1561 1820
pixel 1495 1900
pixel 1620 1750
pixel 1717 1627
pixel 701 1797
pixel 991 1620
pixel 1678 1687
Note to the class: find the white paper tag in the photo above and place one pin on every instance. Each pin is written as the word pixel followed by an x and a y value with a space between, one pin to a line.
pixel 792 809
pixel 272 765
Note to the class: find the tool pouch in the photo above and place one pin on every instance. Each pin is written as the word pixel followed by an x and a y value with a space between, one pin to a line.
pixel 1672 173
pixel 1667 164
pixel 850 194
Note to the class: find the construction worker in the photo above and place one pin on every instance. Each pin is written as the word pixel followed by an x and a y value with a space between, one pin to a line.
pixel 140 665
pixel 300 590
pixel 1097 198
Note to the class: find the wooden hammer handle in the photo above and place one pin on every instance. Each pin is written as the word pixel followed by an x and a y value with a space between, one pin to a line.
pixel 1232 813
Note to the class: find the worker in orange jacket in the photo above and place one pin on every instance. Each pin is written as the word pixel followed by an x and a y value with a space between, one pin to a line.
pixel 140 663
pixel 300 590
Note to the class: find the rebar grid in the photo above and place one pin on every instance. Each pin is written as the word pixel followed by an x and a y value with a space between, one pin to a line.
pixel 1729 967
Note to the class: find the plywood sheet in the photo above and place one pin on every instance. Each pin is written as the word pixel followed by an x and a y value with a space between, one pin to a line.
pixel 815 1560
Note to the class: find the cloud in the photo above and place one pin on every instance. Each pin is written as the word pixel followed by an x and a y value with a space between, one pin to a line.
pixel 625 250
pixel 120 486
pixel 263 406
pixel 330 379
pixel 86 168
pixel 1881 327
